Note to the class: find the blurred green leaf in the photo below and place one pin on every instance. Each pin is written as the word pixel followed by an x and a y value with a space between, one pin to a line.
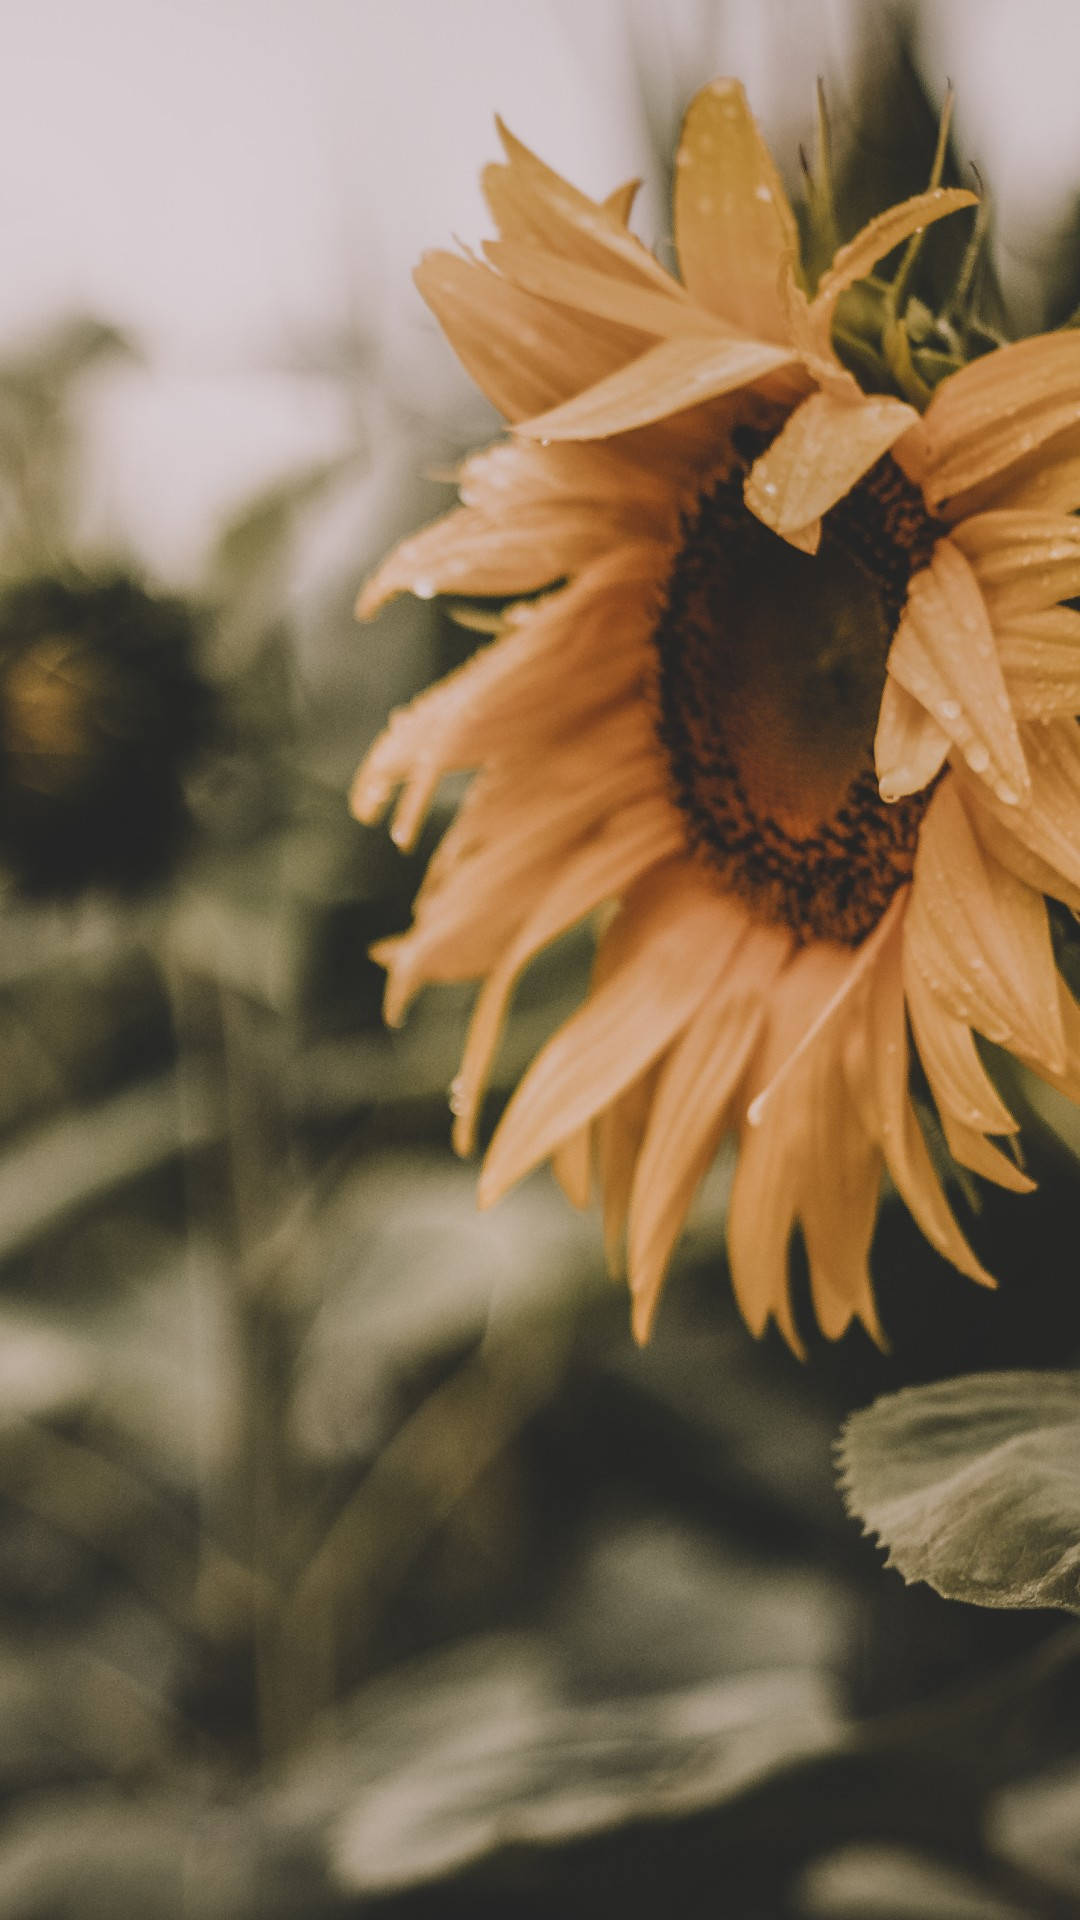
pixel 973 1485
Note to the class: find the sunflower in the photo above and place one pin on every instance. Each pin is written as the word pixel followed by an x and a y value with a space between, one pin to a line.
pixel 786 699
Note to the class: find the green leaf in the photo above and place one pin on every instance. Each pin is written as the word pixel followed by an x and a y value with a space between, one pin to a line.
pixel 973 1485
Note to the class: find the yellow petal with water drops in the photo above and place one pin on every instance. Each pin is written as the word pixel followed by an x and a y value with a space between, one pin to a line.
pixel 480 886
pixel 980 938
pixel 1044 481
pixel 735 232
pixel 1038 869
pixel 909 746
pixel 877 1066
pixel 595 477
pixel 945 655
pixel 859 256
pixel 530 202
pixel 600 294
pixel 999 409
pixel 1049 825
pixel 959 1082
pixel 1040 658
pixel 505 693
pixel 468 552
pixel 1022 560
pixel 818 456
pixel 597 870
pixel 506 340
pixel 675 938
pixel 672 375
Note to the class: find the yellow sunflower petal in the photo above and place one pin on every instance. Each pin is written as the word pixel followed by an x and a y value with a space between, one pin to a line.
pixel 672 375
pixel 509 341
pixel 620 203
pixel 960 1084
pixel 909 746
pixel 690 1111
pixel 1042 838
pixel 878 1059
pixel 467 552
pixel 1040 658
pixel 838 1203
pixel 598 870
pixel 600 294
pixel 980 938
pixel 571 1163
pixel 822 450
pixel 760 1223
pixel 999 409
pixel 675 939
pixel 539 678
pixel 1046 480
pixel 944 654
pixel 970 1149
pixel 620 1130
pixel 1022 560
pixel 530 202
pixel 734 230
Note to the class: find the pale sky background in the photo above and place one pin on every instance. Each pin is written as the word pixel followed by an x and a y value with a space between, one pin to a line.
pixel 233 180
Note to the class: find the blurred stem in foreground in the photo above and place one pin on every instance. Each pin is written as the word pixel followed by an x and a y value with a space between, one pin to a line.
pixel 249 1495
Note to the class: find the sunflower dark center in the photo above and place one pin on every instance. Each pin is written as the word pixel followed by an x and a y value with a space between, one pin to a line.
pixel 772 665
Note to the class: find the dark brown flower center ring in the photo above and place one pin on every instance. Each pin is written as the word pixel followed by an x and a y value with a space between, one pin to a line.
pixel 771 671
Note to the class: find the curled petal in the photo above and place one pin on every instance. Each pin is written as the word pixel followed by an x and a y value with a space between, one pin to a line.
pixel 818 456
pixel 859 256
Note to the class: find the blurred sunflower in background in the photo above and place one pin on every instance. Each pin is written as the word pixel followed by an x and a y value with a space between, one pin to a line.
pixel 103 712
pixel 785 688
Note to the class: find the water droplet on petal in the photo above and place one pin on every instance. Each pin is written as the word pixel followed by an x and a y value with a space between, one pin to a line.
pixel 977 757
pixel 1006 794
pixel 950 709
pixel 424 588
pixel 457 1094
